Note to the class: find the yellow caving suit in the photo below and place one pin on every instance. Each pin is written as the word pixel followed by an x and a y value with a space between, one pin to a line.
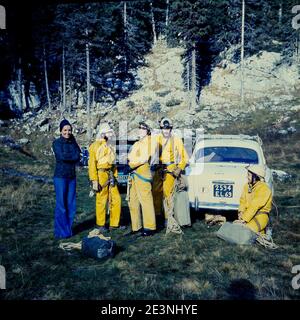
pixel 140 193
pixel 255 206
pixel 172 154
pixel 101 161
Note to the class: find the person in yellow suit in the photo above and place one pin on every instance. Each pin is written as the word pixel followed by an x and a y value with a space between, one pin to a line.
pixel 256 200
pixel 103 174
pixel 173 159
pixel 140 179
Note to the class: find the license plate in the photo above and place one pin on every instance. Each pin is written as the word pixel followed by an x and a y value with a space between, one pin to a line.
pixel 122 178
pixel 223 190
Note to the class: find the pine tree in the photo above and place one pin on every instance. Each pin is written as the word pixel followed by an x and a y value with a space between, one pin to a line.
pixel 198 25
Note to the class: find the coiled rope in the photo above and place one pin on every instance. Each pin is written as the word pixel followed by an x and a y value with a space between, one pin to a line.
pixel 268 243
pixel 173 225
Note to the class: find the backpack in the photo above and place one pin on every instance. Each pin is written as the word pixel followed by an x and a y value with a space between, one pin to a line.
pixel 98 248
pixel 95 245
pixel 237 233
pixel 182 203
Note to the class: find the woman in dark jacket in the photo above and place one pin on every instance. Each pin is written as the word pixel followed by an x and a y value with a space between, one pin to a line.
pixel 67 154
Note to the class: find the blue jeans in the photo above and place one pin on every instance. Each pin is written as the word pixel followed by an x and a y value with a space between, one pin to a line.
pixel 65 190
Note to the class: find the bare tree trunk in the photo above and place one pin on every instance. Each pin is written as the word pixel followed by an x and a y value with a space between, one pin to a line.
pixel 89 134
pixel 2 17
pixel 26 95
pixel 125 16
pixel 64 79
pixel 298 48
pixel 194 78
pixel 295 52
pixel 167 14
pixel 188 83
pixel 153 25
pixel 70 98
pixel 46 80
pixel 242 53
pixel 280 14
pixel 93 104
pixel 20 85
pixel 125 29
pixel 60 91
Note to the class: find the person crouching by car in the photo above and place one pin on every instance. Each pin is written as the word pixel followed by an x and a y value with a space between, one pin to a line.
pixel 255 201
pixel 67 155
pixel 140 180
pixel 103 174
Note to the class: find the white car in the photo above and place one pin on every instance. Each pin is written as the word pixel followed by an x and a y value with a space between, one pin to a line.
pixel 216 173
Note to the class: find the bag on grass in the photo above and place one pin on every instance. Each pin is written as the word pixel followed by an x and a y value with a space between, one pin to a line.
pixel 237 233
pixel 95 245
pixel 97 248
pixel 182 208
pixel 182 203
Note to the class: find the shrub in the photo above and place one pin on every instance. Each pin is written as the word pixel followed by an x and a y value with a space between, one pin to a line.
pixel 155 107
pixel 163 93
pixel 173 102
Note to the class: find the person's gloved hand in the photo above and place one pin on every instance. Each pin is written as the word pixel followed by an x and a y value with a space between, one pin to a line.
pixel 95 185
pixel 177 172
pixel 240 214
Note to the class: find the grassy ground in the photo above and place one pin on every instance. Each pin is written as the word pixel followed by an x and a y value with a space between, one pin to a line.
pixel 196 265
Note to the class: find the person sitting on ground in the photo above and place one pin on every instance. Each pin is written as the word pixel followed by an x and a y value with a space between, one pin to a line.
pixel 255 201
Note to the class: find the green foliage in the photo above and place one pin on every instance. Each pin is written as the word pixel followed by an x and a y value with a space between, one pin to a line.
pixel 118 48
pixel 163 93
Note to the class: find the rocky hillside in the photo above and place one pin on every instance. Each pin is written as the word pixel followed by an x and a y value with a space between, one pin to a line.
pixel 270 85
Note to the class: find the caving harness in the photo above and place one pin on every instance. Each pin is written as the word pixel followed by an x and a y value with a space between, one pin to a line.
pixel 132 173
pixel 168 203
pixel 110 182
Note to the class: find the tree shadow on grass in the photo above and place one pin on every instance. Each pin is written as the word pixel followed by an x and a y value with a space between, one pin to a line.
pixel 241 289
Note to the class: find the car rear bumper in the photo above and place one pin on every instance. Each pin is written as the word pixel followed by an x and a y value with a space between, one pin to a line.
pixel 215 206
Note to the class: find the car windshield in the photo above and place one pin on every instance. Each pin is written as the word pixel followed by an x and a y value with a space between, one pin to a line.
pixel 226 154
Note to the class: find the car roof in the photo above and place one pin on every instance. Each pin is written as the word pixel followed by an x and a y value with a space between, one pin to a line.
pixel 230 143
pixel 240 140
